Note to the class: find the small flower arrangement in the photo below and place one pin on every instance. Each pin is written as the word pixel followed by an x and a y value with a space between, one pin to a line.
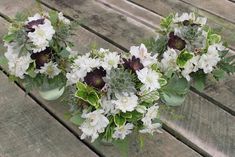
pixel 38 49
pixel 189 48
pixel 117 93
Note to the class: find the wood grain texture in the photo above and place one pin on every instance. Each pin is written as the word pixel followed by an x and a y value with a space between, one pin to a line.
pixel 165 7
pixel 221 8
pixel 217 91
pixel 26 130
pixel 161 145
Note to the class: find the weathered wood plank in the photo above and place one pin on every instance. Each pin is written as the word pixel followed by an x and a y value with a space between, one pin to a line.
pixel 78 6
pixel 162 144
pixel 166 7
pixel 26 130
pixel 218 92
pixel 221 8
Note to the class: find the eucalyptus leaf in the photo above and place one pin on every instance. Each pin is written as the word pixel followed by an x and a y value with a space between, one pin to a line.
pixel 77 119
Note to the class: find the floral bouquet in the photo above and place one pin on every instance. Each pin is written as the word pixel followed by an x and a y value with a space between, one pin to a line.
pixel 187 47
pixel 117 93
pixel 38 49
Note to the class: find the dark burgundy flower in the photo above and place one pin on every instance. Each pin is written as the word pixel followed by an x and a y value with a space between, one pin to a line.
pixel 42 57
pixel 133 64
pixel 176 42
pixel 95 78
pixel 30 25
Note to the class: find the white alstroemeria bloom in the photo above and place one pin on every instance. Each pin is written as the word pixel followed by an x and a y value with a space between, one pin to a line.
pixel 126 102
pixel 108 106
pixel 95 123
pixel 183 17
pixel 86 63
pixel 209 60
pixel 190 66
pixel 72 53
pixel 75 75
pixel 50 69
pixel 151 114
pixel 41 36
pixel 18 66
pixel 141 52
pixel 149 78
pixel 63 19
pixel 168 61
pixel 111 60
pixel 150 129
pixel 122 131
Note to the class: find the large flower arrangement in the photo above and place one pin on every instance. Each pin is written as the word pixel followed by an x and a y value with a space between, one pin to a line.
pixel 191 49
pixel 118 93
pixel 38 49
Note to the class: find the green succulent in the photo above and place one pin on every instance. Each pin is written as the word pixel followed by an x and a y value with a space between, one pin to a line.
pixel 120 81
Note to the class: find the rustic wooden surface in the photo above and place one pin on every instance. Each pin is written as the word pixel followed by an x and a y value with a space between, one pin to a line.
pixel 26 130
pixel 205 126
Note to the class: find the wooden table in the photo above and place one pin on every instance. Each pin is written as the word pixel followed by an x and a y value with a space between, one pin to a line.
pixel 32 127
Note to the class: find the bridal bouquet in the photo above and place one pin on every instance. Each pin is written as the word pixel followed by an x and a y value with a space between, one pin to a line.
pixel 38 49
pixel 117 93
pixel 187 47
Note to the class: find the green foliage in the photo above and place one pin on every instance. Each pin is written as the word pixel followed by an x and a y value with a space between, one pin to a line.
pixel 165 23
pixel 120 81
pixel 174 92
pixel 226 64
pixel 77 119
pixel 218 74
pixel 157 45
pixel 150 97
pixel 199 80
pixel 119 120
pixel 183 57
pixel 212 37
pixel 87 94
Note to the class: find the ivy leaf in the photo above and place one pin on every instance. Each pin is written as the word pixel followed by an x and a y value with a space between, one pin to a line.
pixel 119 120
pixel 9 37
pixel 81 86
pixel 172 99
pixel 53 17
pixel 214 38
pixel 218 74
pixel 127 115
pixel 183 57
pixel 93 99
pixel 77 119
pixel 162 81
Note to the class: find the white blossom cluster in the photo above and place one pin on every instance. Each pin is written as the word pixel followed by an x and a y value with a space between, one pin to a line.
pixel 205 56
pixel 97 120
pixel 40 34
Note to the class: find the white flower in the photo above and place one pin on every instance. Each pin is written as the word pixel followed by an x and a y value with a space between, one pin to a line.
pixel 41 36
pixel 211 58
pixel 126 102
pixel 151 114
pixel 50 69
pixel 71 52
pixel 190 66
pixel 17 65
pixel 141 52
pixel 95 123
pixel 63 19
pixel 183 17
pixel 149 78
pixel 150 129
pixel 141 109
pixel 108 106
pixel 168 61
pixel 111 60
pixel 86 63
pixel 34 18
pixel 75 75
pixel 122 131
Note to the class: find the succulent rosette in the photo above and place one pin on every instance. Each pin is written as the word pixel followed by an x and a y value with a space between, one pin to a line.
pixel 38 49
pixel 117 93
pixel 190 49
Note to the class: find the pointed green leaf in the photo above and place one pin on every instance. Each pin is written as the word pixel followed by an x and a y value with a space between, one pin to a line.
pixel 119 120
pixel 183 58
